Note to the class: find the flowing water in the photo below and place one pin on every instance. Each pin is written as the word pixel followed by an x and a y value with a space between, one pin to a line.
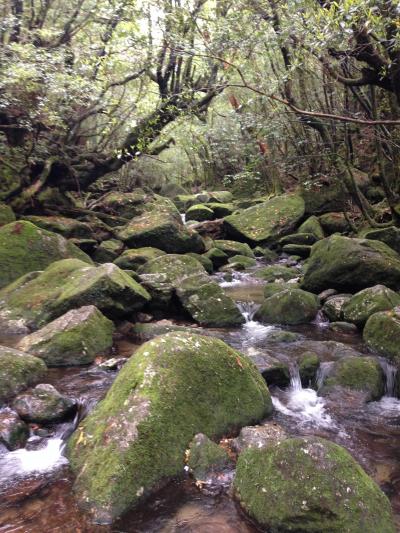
pixel 36 485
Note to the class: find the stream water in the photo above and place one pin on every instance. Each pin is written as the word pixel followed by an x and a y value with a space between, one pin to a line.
pixel 35 482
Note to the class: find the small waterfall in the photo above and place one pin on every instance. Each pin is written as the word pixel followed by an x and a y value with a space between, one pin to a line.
pixel 183 217
pixel 320 320
pixel 248 310
pixel 390 372
pixel 323 372
pixel 295 380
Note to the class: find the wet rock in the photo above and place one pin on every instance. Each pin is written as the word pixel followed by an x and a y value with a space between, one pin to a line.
pixel 43 404
pixel 310 484
pixel 282 336
pixel 277 272
pixel 135 258
pixel 334 223
pixel 382 334
pixel 199 213
pixel 351 265
pixel 161 230
pixel 333 306
pixel 70 284
pixel 108 251
pixel 267 222
pixel 291 306
pixel 206 458
pixel 207 303
pixel 6 214
pixel 300 250
pixel 258 437
pixel 357 373
pixel 13 431
pixel 136 437
pixel 328 350
pixel 18 371
pixel 313 226
pixel 369 301
pixel 343 327
pixel 232 248
pixel 72 339
pixel 217 257
pixel 274 372
pixel 26 248
pixel 308 367
pixel 67 227
pixel 115 363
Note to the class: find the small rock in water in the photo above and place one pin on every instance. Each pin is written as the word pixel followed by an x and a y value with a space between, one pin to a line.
pixel 43 404
pixel 324 295
pixel 268 434
pixel 13 431
pixel 114 363
pixel 343 327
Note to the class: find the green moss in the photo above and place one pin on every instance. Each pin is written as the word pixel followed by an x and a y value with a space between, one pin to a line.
pixel 232 248
pixel 357 373
pixel 206 457
pixel 204 260
pixel 175 386
pixel 199 212
pixel 67 227
pixel 333 307
pixel 241 262
pixel 273 288
pixel 308 368
pixel 273 272
pixel 217 257
pixel 310 485
pixel 108 251
pixel 26 248
pixel 267 222
pixel 313 226
pixel 133 259
pixel 369 301
pixel 6 214
pixel 291 306
pixel 18 371
pixel 382 334
pixel 173 267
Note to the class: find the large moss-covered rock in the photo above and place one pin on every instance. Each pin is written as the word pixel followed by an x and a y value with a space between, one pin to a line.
pixel 324 195
pixel 43 404
pixel 207 303
pixel 72 339
pixel 173 267
pixel 351 265
pixel 382 334
pixel 312 225
pixel 134 258
pixel 369 301
pixel 175 386
pixel 291 306
pixel 310 485
pixel 70 284
pixel 199 212
pixel 24 248
pixel 267 222
pixel 67 227
pixel 18 371
pixel 357 373
pixel 6 214
pixel 232 248
pixel 220 196
pixel 132 204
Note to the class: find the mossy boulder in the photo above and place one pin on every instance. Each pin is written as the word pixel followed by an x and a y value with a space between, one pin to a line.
pixel 277 272
pixel 222 197
pixel 241 262
pixel 266 253
pixel 221 210
pixel 351 265
pixel 43 404
pixel 134 258
pixel 175 386
pixel 369 301
pixel 333 307
pixel 266 222
pixel 334 223
pixel 18 371
pixel 232 248
pixel 310 485
pixel 124 204
pixel 269 434
pixel 173 267
pixel 13 431
pixel 72 339
pixel 25 248
pixel 204 260
pixel 390 236
pixel 70 284
pixel 6 214
pixel 207 303
pixel 199 212
pixel 161 230
pixel 357 373
pixel 108 251
pixel 312 225
pixel 148 330
pixel 382 334
pixel 299 250
pixel 206 457
pixel 298 238
pixel 308 367
pixel 67 227
pixel 273 288
pixel 217 257
pixel 291 306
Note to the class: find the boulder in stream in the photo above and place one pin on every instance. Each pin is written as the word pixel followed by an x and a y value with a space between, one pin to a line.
pixel 26 248
pixel 310 484
pixel 199 213
pixel 67 227
pixel 351 265
pixel 206 458
pixel 333 306
pixel 74 338
pixel 175 386
pixel 13 431
pixel 43 404
pixel 369 301
pixel 134 258
pixel 291 306
pixel 382 334
pixel 312 225
pixel 18 371
pixel 232 248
